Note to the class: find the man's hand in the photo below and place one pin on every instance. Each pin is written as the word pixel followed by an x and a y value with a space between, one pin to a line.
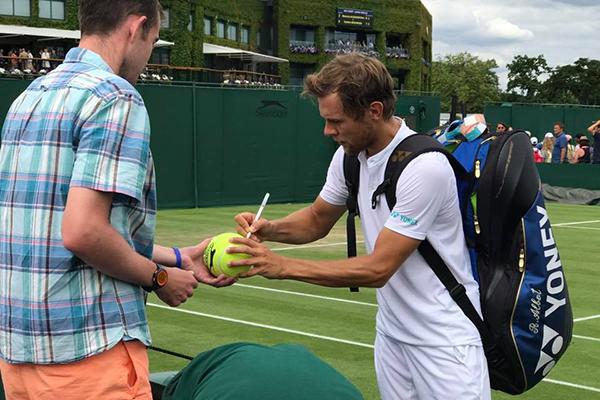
pixel 260 229
pixel 179 288
pixel 265 262
pixel 192 260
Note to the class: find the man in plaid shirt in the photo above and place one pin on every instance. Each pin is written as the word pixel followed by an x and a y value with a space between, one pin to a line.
pixel 77 215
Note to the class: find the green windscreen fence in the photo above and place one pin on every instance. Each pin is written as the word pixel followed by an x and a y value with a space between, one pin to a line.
pixel 540 118
pixel 219 146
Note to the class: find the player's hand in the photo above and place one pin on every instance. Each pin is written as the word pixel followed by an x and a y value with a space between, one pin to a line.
pixel 192 259
pixel 260 229
pixel 179 287
pixel 266 263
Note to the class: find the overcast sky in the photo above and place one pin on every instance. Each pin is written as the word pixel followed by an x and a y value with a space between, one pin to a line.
pixel 561 30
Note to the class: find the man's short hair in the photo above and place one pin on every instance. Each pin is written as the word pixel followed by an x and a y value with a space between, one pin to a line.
pixel 560 124
pixel 101 17
pixel 358 80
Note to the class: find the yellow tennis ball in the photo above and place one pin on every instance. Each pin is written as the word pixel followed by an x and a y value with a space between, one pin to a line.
pixel 216 258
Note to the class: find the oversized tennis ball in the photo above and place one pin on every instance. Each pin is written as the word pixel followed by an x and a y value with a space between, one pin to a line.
pixel 216 258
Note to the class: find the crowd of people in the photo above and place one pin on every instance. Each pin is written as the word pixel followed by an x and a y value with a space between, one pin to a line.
pixel 347 47
pixel 303 48
pixel 23 60
pixel 250 81
pixel 558 147
pixel 396 52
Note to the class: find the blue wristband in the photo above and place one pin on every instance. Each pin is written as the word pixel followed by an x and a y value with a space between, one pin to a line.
pixel 177 257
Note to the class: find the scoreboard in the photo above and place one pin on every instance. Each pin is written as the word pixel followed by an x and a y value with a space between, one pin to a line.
pixel 351 18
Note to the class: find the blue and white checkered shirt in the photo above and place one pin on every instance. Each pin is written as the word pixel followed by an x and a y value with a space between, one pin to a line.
pixel 79 126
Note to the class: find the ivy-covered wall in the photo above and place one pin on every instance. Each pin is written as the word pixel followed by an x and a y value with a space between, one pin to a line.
pixel 70 21
pixel 389 16
pixel 393 16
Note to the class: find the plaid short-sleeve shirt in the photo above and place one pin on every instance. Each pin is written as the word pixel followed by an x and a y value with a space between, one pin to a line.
pixel 84 126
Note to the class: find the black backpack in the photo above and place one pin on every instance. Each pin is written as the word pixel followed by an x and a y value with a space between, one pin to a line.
pixel 527 319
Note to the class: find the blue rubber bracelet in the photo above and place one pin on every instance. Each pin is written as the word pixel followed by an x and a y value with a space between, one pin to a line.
pixel 177 257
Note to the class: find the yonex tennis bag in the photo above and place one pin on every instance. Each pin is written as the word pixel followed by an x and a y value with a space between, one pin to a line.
pixel 527 318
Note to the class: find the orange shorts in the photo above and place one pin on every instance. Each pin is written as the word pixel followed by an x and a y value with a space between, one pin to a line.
pixel 116 374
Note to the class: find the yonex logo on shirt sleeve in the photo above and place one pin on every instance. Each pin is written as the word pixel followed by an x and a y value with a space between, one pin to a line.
pixel 406 219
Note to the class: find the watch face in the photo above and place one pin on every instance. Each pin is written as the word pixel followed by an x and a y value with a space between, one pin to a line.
pixel 162 277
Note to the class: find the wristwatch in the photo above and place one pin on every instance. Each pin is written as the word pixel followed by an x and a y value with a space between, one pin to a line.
pixel 160 277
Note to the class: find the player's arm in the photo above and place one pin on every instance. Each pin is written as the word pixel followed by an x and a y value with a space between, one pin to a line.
pixel 373 270
pixel 303 226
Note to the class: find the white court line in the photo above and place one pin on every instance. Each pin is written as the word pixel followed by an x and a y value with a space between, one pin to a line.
pixel 310 246
pixel 361 303
pixel 580 227
pixel 586 318
pixel 271 327
pixel 329 338
pixel 586 338
pixel 577 223
pixel 591 389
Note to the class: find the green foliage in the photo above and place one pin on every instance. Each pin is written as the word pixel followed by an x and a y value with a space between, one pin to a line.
pixel 70 21
pixel 524 75
pixel 578 83
pixel 467 77
pixel 575 83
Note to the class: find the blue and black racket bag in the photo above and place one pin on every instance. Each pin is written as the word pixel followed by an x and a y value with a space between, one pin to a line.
pixel 527 318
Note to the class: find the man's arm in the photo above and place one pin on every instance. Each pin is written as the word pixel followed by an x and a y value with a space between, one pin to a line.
pixel 373 270
pixel 592 128
pixel 87 233
pixel 303 226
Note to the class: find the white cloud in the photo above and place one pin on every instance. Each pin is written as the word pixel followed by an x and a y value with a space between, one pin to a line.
pixel 502 29
pixel 560 30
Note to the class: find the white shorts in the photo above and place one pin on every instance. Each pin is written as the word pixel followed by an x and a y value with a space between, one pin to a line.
pixel 407 372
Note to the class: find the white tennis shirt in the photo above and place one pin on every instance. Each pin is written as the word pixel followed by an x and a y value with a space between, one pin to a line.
pixel 414 306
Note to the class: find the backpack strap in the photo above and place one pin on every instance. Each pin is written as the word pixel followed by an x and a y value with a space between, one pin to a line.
pixel 459 295
pixel 352 177
pixel 406 151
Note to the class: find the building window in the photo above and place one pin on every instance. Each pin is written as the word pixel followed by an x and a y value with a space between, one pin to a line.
pixel 165 22
pixel 221 29
pixel 190 25
pixel 396 45
pixel 19 8
pixel 52 9
pixel 207 26
pixel 232 32
pixel 299 71
pixel 302 40
pixel 245 35
pixel 346 41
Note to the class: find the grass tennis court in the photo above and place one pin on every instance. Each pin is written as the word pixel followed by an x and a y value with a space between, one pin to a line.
pixel 338 325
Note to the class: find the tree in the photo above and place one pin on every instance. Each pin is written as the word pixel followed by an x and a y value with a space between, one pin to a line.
pixel 471 80
pixel 524 75
pixel 578 83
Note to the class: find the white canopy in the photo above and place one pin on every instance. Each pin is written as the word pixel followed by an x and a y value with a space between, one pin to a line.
pixel 244 55
pixel 8 31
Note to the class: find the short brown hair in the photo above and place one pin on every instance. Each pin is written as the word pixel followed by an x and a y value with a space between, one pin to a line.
pixel 101 17
pixel 358 80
